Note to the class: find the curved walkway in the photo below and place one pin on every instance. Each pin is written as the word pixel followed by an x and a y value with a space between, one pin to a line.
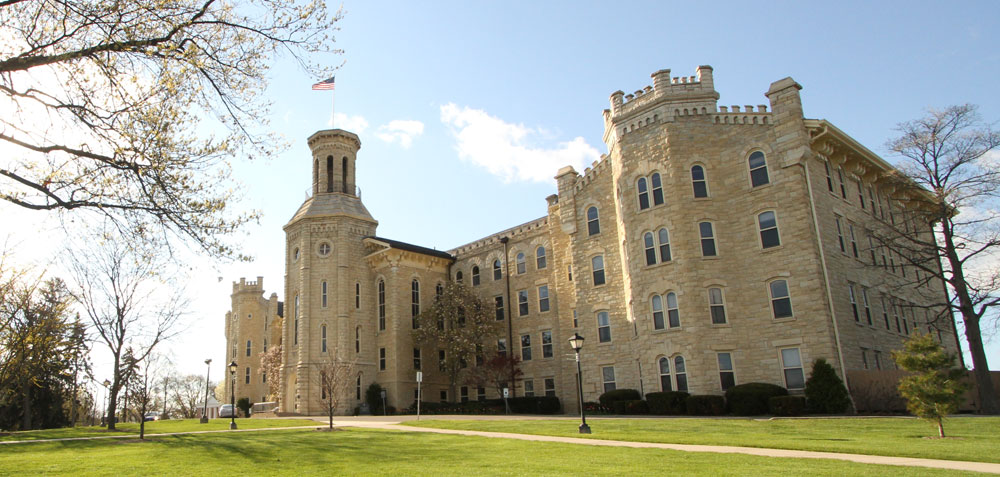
pixel 759 451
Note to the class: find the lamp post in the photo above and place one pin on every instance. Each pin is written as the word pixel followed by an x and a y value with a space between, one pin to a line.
pixel 104 413
pixel 232 394
pixel 576 342
pixel 204 411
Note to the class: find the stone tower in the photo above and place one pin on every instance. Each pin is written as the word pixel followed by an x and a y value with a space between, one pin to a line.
pixel 250 329
pixel 325 273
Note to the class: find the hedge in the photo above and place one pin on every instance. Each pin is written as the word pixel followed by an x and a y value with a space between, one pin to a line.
pixel 787 405
pixel 706 405
pixel 670 403
pixel 751 399
pixel 636 406
pixel 608 399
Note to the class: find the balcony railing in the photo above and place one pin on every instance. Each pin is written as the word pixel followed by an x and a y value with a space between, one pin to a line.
pixel 335 189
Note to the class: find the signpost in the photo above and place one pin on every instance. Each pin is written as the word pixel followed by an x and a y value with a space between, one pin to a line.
pixel 420 377
pixel 506 392
pixel 383 403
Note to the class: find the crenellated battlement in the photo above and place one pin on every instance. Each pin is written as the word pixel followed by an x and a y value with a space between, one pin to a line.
pixel 244 286
pixel 699 87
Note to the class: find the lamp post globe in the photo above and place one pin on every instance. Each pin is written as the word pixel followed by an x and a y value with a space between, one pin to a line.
pixel 232 394
pixel 576 342
pixel 204 411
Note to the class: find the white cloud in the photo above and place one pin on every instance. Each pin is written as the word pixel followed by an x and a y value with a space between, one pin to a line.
pixel 509 150
pixel 400 130
pixel 354 124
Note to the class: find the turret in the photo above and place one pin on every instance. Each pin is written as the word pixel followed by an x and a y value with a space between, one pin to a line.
pixel 334 154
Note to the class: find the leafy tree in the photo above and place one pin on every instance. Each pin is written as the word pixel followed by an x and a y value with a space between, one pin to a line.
pixel 373 397
pixel 244 404
pixel 270 366
pixel 950 180
pixel 129 309
pixel 825 392
pixel 457 322
pixel 500 371
pixel 132 110
pixel 335 381
pixel 936 387
pixel 188 394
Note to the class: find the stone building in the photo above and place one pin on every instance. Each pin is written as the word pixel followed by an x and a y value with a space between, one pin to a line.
pixel 710 246
pixel 253 324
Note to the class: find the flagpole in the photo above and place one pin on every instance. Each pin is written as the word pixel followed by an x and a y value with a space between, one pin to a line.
pixel 333 108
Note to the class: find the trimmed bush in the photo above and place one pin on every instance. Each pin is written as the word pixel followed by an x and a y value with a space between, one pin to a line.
pixel 631 407
pixel 534 405
pixel 787 405
pixel 705 405
pixel 669 403
pixel 751 399
pixel 608 399
pixel 825 392
pixel 373 396
pixel 244 405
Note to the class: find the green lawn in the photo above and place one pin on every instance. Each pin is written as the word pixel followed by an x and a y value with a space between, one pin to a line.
pixel 153 427
pixel 373 452
pixel 973 438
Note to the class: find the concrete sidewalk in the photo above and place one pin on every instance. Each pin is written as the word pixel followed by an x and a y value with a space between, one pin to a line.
pixel 765 452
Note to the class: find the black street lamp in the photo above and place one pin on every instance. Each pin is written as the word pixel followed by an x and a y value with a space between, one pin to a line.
pixel 232 394
pixel 204 412
pixel 576 342
pixel 104 414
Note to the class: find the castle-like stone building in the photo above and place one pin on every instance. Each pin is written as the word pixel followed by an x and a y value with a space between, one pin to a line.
pixel 710 246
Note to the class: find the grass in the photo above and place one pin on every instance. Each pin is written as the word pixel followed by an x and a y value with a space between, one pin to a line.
pixel 152 427
pixel 375 452
pixel 972 438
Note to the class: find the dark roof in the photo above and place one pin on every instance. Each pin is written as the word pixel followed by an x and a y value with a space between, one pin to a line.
pixel 413 248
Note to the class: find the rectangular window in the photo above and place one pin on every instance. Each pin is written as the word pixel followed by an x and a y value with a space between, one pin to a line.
pixel 840 180
pixel 861 194
pixel 781 303
pixel 525 347
pixel 707 234
pixel 502 347
pixel 726 374
pixel 550 386
pixel 543 298
pixel 381 359
pixel 443 396
pixel 864 358
pixel 529 388
pixel 498 304
pixel 546 344
pixel 829 179
pixel 381 305
pixel 357 295
pixel 441 360
pixel 871 248
pixel 840 235
pixel 885 312
pixel 868 308
pixel 854 241
pixel 603 327
pixel 717 306
pixel 464 393
pixel 246 379
pixel 608 375
pixel 416 359
pixel 576 322
pixel 479 355
pixel 522 302
pixel 791 363
pixel 597 264
pixel 248 347
pixel 323 293
pixel 878 360
pixel 480 394
pixel 854 302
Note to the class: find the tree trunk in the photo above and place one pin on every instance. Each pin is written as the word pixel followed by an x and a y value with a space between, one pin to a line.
pixel 940 423
pixel 980 369
pixel 112 408
pixel 25 404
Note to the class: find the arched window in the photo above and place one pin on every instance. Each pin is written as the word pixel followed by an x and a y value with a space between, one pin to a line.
pixel 381 305
pixel 680 374
pixel 657 305
pixel 438 291
pixel 540 258
pixel 295 313
pixel 475 276
pixel 329 173
pixel 458 276
pixel 414 302
pixel 663 244
pixel 357 295
pixel 650 248
pixel 781 303
pixel 315 176
pixel 497 270
pixel 593 222
pixel 707 233
pixel 717 306
pixel 758 169
pixel 343 175
pixel 357 389
pixel 657 188
pixel 521 266
pixel 673 315
pixel 767 224
pixel 643 190
pixel 597 264
pixel 665 384
pixel 322 292
pixel 248 347
pixel 357 339
pixel 699 182
pixel 322 335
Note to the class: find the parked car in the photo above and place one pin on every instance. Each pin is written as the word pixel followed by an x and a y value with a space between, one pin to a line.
pixel 226 411
pixel 151 416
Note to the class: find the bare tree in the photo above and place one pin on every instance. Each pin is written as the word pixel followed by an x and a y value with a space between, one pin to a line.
pixel 457 323
pixel 143 389
pixel 500 371
pixel 110 104
pixel 950 180
pixel 335 381
pixel 188 394
pixel 127 306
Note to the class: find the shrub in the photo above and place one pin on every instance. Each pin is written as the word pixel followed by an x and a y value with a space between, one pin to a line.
pixel 787 405
pixel 631 407
pixel 751 399
pixel 244 404
pixel 549 405
pixel 608 399
pixel 825 392
pixel 593 407
pixel 667 403
pixel 705 405
pixel 373 396
pixel 534 405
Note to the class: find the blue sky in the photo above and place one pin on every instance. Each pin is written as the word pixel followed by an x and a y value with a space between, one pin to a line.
pixel 434 81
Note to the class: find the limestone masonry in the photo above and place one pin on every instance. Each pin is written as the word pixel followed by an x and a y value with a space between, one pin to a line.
pixel 710 246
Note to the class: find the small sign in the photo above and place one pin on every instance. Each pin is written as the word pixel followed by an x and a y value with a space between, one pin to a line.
pixel 506 393
pixel 383 394
pixel 420 376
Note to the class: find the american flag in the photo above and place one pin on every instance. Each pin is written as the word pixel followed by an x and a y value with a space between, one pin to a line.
pixel 324 85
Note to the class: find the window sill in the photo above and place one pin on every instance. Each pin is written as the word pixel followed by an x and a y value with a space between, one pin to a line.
pixel 711 257
pixel 722 325
pixel 762 186
pixel 660 264
pixel 772 249
pixel 668 330
pixel 783 320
